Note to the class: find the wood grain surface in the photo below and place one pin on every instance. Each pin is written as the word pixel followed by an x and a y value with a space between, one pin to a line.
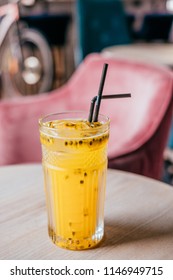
pixel 138 218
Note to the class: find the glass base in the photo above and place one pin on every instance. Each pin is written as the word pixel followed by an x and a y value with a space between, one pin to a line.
pixel 76 244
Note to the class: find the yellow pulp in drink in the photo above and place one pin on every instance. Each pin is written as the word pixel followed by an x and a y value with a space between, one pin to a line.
pixel 75 178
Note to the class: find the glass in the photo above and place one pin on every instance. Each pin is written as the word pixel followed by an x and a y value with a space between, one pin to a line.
pixel 74 158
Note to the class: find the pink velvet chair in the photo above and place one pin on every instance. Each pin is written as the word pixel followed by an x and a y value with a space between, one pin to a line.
pixel 139 125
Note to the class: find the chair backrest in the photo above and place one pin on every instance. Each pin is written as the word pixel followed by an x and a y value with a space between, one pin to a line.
pixel 134 121
pixel 100 23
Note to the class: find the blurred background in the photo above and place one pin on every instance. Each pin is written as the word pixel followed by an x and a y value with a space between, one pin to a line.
pixel 42 42
pixel 68 30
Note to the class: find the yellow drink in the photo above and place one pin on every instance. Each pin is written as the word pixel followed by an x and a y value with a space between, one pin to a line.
pixel 75 163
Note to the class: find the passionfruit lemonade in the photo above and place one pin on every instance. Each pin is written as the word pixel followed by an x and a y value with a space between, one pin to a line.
pixel 75 163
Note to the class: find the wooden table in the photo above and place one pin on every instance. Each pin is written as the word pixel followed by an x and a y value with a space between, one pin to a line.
pixel 159 53
pixel 138 218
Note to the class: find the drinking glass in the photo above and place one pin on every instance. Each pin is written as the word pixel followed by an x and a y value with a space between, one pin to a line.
pixel 74 159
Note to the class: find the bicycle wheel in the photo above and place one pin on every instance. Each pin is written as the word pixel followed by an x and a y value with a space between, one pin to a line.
pixel 36 70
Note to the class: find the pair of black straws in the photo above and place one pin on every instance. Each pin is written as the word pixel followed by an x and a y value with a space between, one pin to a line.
pixel 96 101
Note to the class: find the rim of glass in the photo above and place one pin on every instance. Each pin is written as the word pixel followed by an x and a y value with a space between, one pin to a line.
pixel 42 120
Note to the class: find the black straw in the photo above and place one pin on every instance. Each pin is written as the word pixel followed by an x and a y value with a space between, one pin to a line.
pixel 98 100
pixel 110 96
pixel 93 101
